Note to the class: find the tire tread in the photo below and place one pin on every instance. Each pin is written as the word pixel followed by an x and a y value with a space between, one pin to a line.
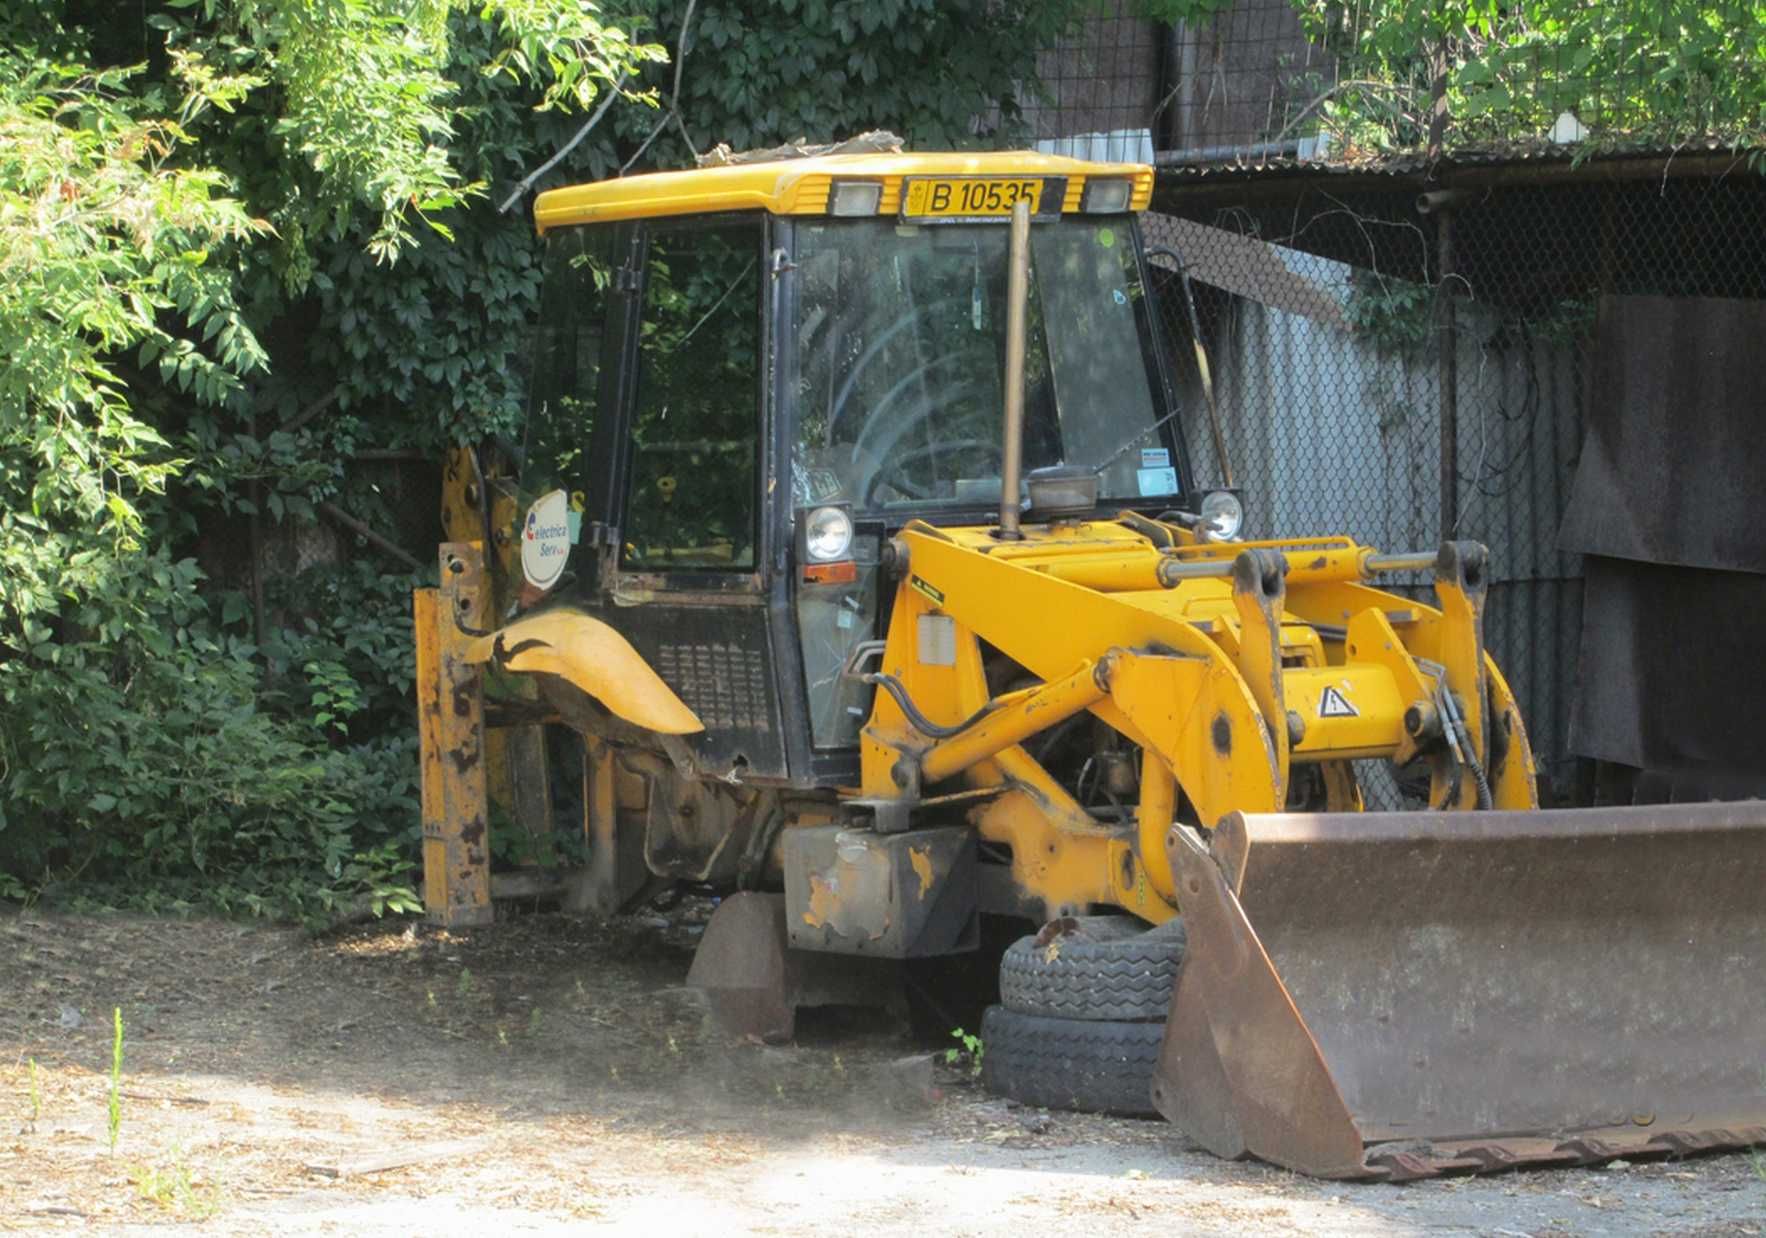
pixel 1083 1065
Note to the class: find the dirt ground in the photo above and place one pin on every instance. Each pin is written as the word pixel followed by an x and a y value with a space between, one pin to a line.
pixel 548 1074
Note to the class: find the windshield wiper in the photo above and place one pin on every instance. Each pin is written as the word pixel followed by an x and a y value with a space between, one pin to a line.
pixel 1138 436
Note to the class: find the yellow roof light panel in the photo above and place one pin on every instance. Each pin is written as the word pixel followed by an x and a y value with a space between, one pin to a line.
pixel 804 186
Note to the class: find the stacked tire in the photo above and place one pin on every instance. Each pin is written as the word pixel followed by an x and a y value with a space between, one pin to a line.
pixel 1081 1014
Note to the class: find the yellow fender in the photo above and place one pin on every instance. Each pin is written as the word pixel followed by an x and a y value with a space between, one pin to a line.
pixel 590 654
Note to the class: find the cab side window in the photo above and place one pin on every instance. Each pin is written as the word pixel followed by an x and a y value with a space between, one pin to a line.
pixel 566 387
pixel 692 492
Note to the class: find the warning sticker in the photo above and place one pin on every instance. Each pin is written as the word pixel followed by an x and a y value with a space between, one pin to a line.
pixel 931 591
pixel 1333 704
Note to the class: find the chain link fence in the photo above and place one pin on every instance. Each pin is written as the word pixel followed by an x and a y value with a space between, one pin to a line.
pixel 1370 337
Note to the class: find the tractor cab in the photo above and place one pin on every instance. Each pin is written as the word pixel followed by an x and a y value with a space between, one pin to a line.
pixel 749 377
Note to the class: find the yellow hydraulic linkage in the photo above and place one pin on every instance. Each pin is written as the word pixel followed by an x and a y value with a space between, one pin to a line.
pixel 1226 671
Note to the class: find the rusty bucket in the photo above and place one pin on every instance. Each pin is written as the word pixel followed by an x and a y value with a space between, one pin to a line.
pixel 1396 995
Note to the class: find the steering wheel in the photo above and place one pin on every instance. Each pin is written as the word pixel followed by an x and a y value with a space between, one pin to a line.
pixel 889 473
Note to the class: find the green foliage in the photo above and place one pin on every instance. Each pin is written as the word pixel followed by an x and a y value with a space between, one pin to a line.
pixel 761 73
pixel 115 1106
pixel 969 1049
pixel 1396 316
pixel 125 725
pixel 362 99
pixel 1631 71
pixel 173 1186
pixel 106 247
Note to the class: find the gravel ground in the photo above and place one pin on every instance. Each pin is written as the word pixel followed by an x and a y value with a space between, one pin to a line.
pixel 547 1074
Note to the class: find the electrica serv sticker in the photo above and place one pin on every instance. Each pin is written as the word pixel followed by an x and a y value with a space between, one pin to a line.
pixel 1157 481
pixel 545 540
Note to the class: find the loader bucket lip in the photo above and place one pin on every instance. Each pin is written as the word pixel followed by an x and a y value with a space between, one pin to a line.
pixel 1380 827
pixel 1402 995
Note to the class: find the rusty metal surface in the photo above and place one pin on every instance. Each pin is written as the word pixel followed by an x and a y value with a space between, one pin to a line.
pixel 450 707
pixel 1479 990
pixel 907 895
pixel 754 984
pixel 740 967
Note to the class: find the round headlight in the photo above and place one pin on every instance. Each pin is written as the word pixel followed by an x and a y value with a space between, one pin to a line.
pixel 827 534
pixel 1222 516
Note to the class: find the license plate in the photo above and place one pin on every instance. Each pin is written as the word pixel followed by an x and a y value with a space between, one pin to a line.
pixel 971 197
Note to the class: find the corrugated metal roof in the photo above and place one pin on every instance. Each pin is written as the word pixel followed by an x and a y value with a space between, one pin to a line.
pixel 1408 163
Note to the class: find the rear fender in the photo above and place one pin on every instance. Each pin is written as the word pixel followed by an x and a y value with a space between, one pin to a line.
pixel 593 657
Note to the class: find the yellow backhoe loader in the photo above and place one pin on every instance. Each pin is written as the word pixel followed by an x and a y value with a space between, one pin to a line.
pixel 854 533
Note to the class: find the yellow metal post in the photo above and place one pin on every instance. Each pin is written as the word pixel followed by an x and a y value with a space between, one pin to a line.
pixel 456 846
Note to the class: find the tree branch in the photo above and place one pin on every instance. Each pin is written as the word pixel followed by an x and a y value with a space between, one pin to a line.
pixel 590 123
pixel 371 535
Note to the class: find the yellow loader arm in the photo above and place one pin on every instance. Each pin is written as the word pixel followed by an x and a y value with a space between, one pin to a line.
pixel 581 649
pixel 1227 665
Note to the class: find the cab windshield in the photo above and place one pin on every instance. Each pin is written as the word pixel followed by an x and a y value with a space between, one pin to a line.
pixel 900 333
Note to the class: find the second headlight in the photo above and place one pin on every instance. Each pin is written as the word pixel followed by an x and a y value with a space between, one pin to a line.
pixel 1221 517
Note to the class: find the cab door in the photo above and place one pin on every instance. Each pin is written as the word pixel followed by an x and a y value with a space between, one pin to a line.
pixel 686 577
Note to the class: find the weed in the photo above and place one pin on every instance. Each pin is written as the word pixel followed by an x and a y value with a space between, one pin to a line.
pixel 969 1046
pixel 36 1095
pixel 430 998
pixel 502 1036
pixel 1757 1159
pixel 174 1188
pixel 116 1080
pixel 463 986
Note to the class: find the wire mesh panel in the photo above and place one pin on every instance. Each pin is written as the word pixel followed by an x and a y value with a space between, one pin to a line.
pixel 1395 264
pixel 1361 334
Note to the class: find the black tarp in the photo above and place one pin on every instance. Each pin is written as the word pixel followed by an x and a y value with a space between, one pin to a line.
pixel 1670 505
pixel 1673 466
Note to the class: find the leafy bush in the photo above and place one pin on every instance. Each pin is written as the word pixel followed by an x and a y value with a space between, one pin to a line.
pixel 137 752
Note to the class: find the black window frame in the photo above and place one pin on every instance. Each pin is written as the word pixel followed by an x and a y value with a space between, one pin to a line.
pixel 693 578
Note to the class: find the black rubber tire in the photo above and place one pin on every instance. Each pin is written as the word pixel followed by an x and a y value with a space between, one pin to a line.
pixel 1083 1065
pixel 1112 969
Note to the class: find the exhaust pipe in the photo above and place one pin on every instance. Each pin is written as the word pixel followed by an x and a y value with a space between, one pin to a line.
pixel 1017 306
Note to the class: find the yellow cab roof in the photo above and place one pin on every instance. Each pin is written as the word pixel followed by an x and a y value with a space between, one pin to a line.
pixel 801 186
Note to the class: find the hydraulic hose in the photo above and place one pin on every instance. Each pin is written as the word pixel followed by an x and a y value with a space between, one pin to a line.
pixel 918 720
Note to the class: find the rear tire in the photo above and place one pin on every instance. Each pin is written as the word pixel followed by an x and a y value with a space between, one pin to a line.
pixel 1085 1065
pixel 1108 969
